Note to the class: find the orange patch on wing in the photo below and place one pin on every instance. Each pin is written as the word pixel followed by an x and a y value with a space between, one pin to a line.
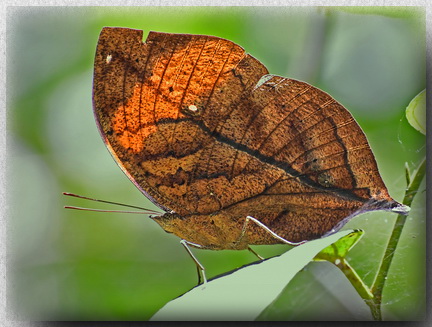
pixel 136 120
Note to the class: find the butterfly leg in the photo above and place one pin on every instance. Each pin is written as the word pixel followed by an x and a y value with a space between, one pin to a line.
pixel 256 221
pixel 257 255
pixel 200 268
pixel 241 237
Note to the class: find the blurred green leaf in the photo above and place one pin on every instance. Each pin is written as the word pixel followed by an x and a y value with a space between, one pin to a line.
pixel 416 112
pixel 234 296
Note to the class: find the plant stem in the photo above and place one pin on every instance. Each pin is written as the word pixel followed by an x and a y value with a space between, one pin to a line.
pixel 378 285
pixel 354 278
pixel 373 297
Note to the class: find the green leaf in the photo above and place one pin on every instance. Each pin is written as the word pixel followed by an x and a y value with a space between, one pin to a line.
pixel 246 292
pixel 416 112
pixel 319 292
pixel 340 248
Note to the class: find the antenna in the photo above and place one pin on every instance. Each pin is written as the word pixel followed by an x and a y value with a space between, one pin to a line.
pixel 144 210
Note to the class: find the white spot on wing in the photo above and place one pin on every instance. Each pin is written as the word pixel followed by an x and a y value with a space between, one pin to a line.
pixel 193 108
pixel 108 59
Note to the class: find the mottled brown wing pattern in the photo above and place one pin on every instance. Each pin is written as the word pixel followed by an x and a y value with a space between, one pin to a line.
pixel 147 121
pixel 192 123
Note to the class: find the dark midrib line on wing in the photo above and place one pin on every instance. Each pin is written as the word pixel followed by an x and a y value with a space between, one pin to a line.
pixel 213 90
pixel 305 206
pixel 266 159
pixel 252 121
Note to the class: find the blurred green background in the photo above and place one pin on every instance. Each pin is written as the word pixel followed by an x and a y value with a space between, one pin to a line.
pixel 75 265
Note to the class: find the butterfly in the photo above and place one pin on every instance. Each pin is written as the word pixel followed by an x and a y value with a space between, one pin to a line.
pixel 206 133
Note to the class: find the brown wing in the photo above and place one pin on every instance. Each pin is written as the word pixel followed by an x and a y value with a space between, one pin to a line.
pixel 190 122
pixel 142 97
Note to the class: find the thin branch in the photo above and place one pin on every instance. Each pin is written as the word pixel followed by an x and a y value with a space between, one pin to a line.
pixel 354 279
pixel 373 297
pixel 378 285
